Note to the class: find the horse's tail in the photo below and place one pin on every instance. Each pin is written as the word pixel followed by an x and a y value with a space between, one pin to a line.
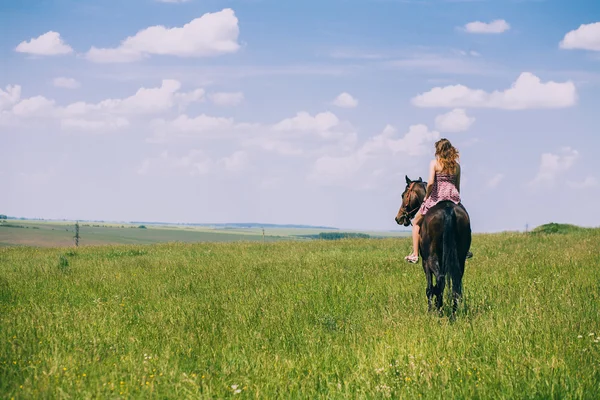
pixel 450 258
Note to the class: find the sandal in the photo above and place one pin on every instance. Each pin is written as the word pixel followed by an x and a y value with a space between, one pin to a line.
pixel 412 259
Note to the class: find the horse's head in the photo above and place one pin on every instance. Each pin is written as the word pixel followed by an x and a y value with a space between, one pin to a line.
pixel 412 197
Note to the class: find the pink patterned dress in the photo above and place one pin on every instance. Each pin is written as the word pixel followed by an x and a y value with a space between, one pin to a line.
pixel 444 188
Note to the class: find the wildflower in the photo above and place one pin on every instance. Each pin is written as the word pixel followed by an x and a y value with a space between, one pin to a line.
pixel 234 387
pixel 238 391
pixel 122 383
pixel 84 375
pixel 579 337
pixel 591 334
pixel 64 368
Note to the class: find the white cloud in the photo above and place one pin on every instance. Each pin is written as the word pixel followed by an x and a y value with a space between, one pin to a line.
pixel 9 97
pixel 277 146
pixel 195 163
pixel 107 114
pixel 201 123
pixel 525 93
pixel 236 162
pixel 456 120
pixel 144 101
pixel 382 149
pixel 287 137
pixel 495 181
pixel 332 170
pixel 227 98
pixel 414 142
pixel 551 165
pixel 496 26
pixel 184 126
pixel 185 99
pixel 37 106
pixel 48 44
pixel 345 100
pixel 303 121
pixel 67 83
pixel 586 37
pixel 210 35
pixel 292 136
pixel 588 182
pixel 94 125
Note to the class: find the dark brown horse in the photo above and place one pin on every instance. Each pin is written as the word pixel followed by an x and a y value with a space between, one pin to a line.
pixel 445 241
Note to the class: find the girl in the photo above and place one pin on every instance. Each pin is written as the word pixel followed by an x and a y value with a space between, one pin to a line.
pixel 443 184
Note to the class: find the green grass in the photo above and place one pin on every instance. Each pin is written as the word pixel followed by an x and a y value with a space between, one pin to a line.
pixel 316 319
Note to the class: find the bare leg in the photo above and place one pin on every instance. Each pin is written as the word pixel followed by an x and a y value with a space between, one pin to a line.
pixel 416 233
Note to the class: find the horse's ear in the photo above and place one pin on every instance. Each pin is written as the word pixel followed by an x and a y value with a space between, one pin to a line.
pixel 420 179
pixel 408 181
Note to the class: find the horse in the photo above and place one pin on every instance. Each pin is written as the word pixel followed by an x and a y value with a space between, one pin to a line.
pixel 445 241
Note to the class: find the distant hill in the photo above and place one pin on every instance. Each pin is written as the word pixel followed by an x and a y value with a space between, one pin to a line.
pixel 236 225
pixel 557 228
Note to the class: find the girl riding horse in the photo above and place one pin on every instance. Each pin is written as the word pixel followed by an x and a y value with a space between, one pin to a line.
pixel 443 185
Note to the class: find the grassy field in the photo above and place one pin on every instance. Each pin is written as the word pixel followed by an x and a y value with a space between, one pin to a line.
pixel 300 319
pixel 60 234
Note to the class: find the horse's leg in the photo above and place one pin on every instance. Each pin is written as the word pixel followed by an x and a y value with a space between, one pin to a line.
pixel 439 291
pixel 429 290
pixel 456 292
pixel 440 285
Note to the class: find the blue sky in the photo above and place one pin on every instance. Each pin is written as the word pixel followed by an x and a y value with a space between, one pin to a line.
pixel 297 112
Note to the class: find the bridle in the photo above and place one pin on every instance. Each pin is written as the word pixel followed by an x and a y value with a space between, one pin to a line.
pixel 410 214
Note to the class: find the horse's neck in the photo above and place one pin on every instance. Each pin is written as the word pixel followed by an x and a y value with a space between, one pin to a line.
pixel 422 191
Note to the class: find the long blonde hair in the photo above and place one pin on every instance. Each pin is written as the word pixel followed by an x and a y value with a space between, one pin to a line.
pixel 447 155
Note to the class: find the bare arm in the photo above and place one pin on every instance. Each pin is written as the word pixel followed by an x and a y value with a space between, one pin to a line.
pixel 458 177
pixel 430 180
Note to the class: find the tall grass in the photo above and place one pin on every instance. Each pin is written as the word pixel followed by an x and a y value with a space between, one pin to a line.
pixel 315 319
